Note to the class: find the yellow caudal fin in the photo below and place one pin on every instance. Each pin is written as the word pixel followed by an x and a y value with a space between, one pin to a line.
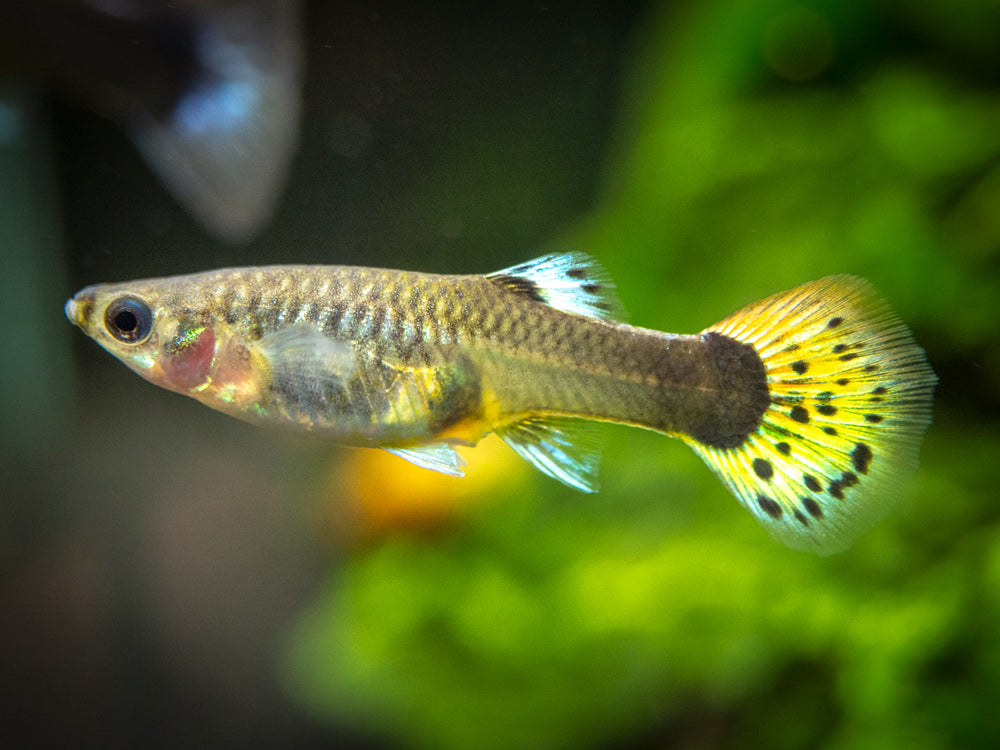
pixel 850 399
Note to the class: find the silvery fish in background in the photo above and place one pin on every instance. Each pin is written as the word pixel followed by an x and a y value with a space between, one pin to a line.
pixel 209 90
pixel 809 405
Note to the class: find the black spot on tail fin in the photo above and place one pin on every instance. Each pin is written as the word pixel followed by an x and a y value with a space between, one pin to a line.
pixel 841 433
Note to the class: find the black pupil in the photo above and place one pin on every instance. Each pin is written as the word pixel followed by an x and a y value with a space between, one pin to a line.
pixel 126 322
pixel 129 320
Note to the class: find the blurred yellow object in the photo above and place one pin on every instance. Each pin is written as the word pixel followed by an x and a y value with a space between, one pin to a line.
pixel 371 494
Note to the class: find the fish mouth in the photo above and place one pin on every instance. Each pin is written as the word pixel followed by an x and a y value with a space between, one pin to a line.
pixel 72 310
pixel 79 309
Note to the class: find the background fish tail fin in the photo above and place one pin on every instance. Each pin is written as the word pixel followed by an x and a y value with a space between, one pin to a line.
pixel 225 147
pixel 850 400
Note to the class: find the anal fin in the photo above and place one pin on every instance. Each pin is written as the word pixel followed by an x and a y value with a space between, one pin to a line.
pixel 565 448
pixel 440 457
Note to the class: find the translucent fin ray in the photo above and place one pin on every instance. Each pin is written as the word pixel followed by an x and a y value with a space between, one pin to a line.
pixel 850 400
pixel 440 457
pixel 302 353
pixel 565 448
pixel 571 282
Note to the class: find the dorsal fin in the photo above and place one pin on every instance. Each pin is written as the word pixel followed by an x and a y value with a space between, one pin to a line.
pixel 571 282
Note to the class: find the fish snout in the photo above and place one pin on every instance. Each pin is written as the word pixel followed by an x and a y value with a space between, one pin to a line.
pixel 79 309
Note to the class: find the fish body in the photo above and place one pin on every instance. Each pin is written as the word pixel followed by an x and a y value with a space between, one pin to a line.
pixel 418 363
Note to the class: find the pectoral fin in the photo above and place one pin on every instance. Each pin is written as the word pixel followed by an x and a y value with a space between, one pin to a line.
pixel 566 449
pixel 301 354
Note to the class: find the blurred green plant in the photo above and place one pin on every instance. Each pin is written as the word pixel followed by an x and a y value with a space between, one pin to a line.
pixel 760 144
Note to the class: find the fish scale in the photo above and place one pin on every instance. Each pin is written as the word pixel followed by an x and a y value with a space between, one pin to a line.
pixel 809 405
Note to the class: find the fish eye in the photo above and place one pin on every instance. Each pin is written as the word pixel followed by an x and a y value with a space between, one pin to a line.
pixel 129 320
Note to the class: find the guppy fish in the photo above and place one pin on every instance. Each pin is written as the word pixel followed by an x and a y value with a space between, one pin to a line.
pixel 809 405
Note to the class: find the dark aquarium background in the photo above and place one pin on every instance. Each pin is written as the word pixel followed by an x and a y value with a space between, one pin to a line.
pixel 172 577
